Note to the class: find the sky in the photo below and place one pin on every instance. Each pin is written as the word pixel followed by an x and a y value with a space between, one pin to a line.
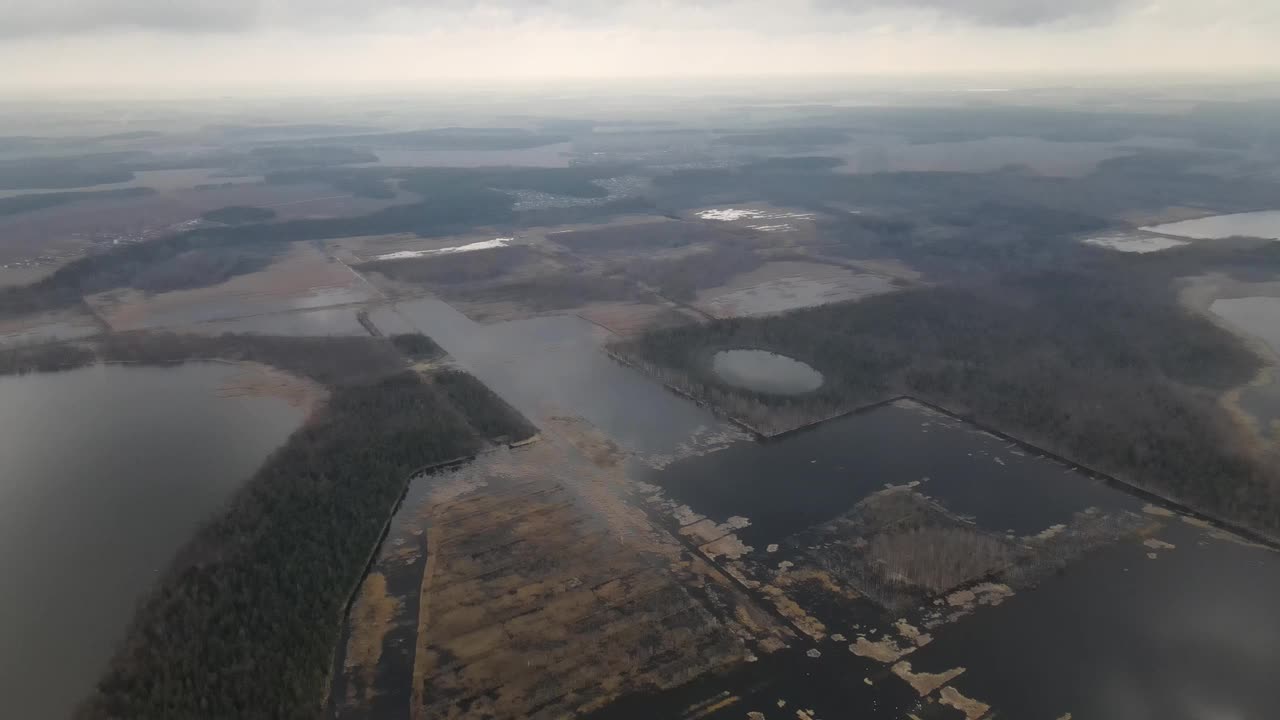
pixel 191 47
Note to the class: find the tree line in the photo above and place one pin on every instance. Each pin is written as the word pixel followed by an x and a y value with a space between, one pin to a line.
pixel 1091 367
pixel 244 622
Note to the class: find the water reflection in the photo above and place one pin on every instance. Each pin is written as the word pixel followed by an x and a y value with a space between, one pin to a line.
pixel 1121 636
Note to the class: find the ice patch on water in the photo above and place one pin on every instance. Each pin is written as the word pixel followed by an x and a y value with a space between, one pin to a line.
pixel 470 247
pixel 735 214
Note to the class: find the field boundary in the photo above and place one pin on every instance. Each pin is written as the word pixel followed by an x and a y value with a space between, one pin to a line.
pixel 339 649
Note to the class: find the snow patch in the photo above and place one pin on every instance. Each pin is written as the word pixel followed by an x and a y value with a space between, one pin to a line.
pixel 470 247
pixel 735 214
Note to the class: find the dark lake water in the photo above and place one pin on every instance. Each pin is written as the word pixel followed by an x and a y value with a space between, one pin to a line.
pixel 787 485
pixel 104 473
pixel 766 372
pixel 1116 635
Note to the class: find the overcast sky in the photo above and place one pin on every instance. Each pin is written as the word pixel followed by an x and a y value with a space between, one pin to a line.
pixel 195 46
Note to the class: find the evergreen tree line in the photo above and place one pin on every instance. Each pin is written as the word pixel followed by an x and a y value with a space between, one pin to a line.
pixel 244 622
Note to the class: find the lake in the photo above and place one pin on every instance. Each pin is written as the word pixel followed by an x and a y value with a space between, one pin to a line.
pixel 765 372
pixel 1264 224
pixel 786 485
pixel 1179 628
pixel 105 472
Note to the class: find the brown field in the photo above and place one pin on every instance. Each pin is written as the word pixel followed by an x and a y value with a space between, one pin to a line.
pixel 525 591
pixel 625 319
pixel 302 278
pixel 546 293
pixel 789 285
pixel 505 283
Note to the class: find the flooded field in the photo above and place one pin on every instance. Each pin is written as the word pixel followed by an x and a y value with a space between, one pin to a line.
pixel 1067 597
pixel 97 491
pixel 765 372
pixel 1265 224
pixel 521 585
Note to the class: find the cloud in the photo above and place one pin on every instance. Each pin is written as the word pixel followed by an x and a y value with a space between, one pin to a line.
pixel 67 17
pixel 1005 13
pixel 53 17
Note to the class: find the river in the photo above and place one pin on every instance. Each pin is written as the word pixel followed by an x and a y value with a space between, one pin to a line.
pixel 554 366
pixel 105 472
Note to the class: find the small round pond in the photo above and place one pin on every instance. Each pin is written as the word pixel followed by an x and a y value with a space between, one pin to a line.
pixel 766 372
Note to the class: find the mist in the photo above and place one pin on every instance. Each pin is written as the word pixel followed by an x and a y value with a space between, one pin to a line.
pixel 146 47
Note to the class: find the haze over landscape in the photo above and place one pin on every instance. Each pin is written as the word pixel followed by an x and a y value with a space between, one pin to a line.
pixel 100 47
pixel 691 360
